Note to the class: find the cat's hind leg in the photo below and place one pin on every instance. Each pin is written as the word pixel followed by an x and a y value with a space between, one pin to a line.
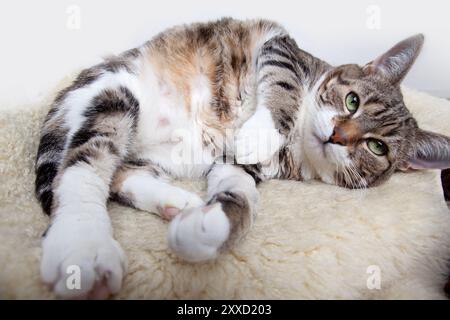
pixel 81 258
pixel 200 234
pixel 146 187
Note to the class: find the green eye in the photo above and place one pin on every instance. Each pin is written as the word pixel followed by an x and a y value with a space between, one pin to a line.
pixel 352 102
pixel 376 146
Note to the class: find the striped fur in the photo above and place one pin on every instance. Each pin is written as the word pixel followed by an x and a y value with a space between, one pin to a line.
pixel 189 98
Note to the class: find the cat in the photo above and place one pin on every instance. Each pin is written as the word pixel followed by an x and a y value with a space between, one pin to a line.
pixel 204 100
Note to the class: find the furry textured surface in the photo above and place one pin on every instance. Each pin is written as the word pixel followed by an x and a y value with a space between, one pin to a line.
pixel 310 240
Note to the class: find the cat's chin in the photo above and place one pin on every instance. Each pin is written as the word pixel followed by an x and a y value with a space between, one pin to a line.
pixel 317 165
pixel 328 180
pixel 337 155
pixel 324 158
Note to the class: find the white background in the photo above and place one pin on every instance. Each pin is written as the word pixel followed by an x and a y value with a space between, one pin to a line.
pixel 38 47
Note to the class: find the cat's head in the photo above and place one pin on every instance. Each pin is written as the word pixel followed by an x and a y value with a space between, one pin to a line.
pixel 359 130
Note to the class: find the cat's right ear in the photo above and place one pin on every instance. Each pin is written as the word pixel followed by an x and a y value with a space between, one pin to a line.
pixel 431 151
pixel 396 62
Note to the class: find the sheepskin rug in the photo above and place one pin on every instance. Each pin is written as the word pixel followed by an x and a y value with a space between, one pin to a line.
pixel 310 241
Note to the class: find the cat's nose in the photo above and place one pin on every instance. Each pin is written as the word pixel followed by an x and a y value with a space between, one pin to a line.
pixel 345 133
pixel 338 137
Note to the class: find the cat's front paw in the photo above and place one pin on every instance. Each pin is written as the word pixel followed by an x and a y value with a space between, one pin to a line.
pixel 197 234
pixel 175 200
pixel 255 143
pixel 81 260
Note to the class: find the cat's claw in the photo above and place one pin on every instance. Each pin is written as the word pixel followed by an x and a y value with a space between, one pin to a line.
pixel 197 234
pixel 85 263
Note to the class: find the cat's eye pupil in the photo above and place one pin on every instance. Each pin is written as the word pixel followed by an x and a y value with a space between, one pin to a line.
pixel 377 147
pixel 352 102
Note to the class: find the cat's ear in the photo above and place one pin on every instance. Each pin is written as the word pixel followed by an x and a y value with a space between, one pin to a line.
pixel 396 62
pixel 432 151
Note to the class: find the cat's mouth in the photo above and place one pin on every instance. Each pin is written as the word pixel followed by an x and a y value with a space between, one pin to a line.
pixel 333 154
pixel 321 144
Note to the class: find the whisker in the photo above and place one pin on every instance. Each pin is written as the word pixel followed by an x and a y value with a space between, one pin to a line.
pixel 362 184
pixel 352 179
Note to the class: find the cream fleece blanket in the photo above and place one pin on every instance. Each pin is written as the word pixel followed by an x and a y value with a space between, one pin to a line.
pixel 310 240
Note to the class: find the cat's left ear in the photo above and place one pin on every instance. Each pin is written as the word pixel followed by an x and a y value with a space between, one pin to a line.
pixel 432 151
pixel 397 61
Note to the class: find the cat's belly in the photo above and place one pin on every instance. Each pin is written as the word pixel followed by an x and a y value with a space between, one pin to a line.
pixel 179 150
pixel 172 131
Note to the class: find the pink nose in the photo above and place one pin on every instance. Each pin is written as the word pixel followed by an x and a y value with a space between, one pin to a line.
pixel 345 133
pixel 338 137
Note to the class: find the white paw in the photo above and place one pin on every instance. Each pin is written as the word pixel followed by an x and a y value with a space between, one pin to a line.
pixel 81 260
pixel 177 200
pixel 198 233
pixel 256 144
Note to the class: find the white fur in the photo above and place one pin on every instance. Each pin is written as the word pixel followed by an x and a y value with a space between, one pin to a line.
pixel 200 92
pixel 78 100
pixel 81 182
pixel 151 194
pixel 310 241
pixel 197 233
pixel 231 178
pixel 81 235
pixel 258 139
pixel 81 232
pixel 315 125
pixel 85 242
pixel 176 146
pixel 165 130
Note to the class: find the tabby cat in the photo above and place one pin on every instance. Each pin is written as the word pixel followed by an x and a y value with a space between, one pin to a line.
pixel 237 102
